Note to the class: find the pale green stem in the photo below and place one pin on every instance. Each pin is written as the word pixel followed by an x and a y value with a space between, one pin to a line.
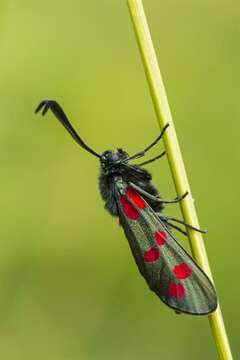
pixel 175 159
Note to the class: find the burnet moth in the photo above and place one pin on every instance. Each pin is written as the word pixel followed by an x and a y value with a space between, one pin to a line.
pixel 129 195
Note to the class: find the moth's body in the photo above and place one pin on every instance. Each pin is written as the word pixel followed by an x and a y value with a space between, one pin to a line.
pixel 112 173
pixel 128 193
pixel 139 216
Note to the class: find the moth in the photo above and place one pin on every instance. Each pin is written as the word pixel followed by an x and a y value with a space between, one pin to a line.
pixel 128 193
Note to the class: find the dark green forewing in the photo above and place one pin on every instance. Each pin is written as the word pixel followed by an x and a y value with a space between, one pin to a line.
pixel 169 271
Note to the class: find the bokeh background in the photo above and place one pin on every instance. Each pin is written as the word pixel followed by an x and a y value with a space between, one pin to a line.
pixel 69 288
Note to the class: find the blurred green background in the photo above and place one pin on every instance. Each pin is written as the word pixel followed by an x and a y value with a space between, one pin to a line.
pixel 69 288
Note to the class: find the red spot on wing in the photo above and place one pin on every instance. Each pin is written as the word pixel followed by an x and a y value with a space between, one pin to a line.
pixel 160 237
pixel 128 209
pixel 151 255
pixel 182 271
pixel 176 290
pixel 135 198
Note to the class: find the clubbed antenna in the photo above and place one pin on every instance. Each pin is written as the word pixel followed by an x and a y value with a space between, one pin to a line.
pixel 45 105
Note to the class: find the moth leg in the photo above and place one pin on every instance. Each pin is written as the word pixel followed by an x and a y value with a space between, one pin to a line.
pixel 177 228
pixel 176 200
pixel 177 312
pixel 157 139
pixel 168 224
pixel 142 153
pixel 157 198
pixel 166 218
pixel 153 159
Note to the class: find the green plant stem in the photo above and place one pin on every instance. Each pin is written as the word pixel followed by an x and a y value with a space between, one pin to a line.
pixel 175 159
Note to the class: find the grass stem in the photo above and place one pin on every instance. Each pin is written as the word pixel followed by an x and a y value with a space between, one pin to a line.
pixel 175 159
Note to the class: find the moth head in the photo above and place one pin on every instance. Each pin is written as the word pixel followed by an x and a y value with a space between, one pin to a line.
pixel 110 160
